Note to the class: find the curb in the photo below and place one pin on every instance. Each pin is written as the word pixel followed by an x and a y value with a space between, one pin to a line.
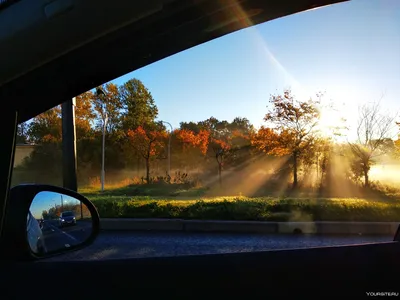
pixel 321 227
pixel 141 224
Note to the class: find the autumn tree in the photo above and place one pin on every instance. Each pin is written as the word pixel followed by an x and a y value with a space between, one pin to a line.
pixel 84 114
pixel 294 123
pixel 149 142
pixel 219 141
pixel 208 144
pixel 45 214
pixel 221 148
pixel 374 131
pixel 192 144
pixel 270 141
pixel 190 138
pixel 46 126
pixel 227 143
pixel 54 212
pixel 138 106
pixel 241 131
pixel 318 157
pixel 45 131
pixel 108 105
pixel 22 133
pixel 191 126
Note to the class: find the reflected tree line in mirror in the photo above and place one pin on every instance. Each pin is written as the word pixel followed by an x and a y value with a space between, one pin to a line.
pixel 53 213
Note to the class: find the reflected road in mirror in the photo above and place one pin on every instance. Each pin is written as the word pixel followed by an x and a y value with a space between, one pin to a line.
pixel 57 222
pixel 57 238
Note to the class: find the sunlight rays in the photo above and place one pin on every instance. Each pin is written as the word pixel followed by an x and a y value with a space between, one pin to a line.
pixel 253 177
pixel 291 81
pixel 338 184
pixel 240 14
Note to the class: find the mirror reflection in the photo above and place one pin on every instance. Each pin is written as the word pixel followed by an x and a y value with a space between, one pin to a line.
pixel 56 221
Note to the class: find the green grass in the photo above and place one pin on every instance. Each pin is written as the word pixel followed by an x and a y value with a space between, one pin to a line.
pixel 245 208
pixel 185 202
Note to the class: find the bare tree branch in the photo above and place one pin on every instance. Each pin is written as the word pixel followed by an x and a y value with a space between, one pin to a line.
pixel 374 130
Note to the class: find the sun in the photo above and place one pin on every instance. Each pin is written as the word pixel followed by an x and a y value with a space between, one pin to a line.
pixel 339 109
pixel 330 122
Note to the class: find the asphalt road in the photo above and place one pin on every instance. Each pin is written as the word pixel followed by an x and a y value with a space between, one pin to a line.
pixel 57 238
pixel 118 244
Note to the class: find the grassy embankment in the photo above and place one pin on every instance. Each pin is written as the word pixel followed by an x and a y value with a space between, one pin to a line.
pixel 177 201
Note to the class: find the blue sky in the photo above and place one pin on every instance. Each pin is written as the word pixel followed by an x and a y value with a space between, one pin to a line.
pixel 350 50
pixel 46 200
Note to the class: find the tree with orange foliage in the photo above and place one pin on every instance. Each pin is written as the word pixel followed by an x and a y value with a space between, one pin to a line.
pixel 292 128
pixel 190 139
pixel 46 131
pixel 46 126
pixel 219 138
pixel 220 147
pixel 147 141
pixel 271 142
pixel 211 137
pixel 225 141
pixel 84 114
pixel 190 147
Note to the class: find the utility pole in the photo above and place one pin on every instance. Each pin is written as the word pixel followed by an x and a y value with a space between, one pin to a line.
pixel 69 146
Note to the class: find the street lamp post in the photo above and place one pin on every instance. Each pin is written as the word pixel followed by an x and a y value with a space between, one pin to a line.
pixel 169 148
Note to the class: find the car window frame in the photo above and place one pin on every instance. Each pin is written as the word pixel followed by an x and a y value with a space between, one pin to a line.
pixel 9 134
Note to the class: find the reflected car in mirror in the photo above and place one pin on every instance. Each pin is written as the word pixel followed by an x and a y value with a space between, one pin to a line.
pixel 67 218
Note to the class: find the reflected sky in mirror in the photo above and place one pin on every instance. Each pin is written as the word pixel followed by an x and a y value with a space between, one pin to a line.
pixel 46 200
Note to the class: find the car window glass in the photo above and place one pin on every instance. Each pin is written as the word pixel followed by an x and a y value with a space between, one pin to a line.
pixel 293 120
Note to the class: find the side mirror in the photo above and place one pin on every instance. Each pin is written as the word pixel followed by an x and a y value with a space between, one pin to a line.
pixel 44 220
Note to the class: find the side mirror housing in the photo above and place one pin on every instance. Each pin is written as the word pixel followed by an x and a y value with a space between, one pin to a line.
pixel 44 220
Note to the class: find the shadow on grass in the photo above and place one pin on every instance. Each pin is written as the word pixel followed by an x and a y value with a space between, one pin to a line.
pixel 273 188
